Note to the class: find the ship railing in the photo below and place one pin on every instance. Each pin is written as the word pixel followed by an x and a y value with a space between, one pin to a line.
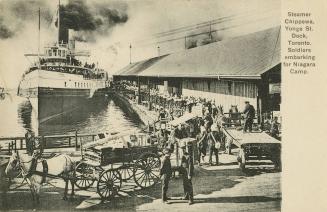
pixel 12 144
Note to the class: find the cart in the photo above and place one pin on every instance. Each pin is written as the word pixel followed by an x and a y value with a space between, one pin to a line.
pixel 112 161
pixel 253 146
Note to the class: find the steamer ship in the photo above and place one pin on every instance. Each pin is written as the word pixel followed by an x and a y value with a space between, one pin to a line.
pixel 58 82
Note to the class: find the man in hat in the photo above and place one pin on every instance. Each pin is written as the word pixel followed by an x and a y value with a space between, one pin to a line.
pixel 214 143
pixel 202 143
pixel 162 114
pixel 249 112
pixel 187 170
pixel 165 174
pixel 208 121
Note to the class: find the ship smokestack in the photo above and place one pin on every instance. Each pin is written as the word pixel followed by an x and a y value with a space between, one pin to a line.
pixel 63 34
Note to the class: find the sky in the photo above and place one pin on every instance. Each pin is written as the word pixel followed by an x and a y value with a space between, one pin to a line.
pixel 107 28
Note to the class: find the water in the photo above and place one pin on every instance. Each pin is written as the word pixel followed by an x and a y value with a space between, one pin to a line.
pixel 101 115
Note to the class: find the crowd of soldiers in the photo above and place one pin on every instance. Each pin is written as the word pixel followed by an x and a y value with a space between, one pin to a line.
pixel 209 136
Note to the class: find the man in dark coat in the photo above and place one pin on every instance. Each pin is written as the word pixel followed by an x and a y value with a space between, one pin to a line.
pixel 187 171
pixel 165 174
pixel 202 144
pixel 249 113
pixel 208 121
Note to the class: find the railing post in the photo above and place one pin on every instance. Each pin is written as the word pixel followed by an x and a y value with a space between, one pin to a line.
pixel 93 137
pixel 69 141
pixel 81 147
pixel 76 140
pixel 9 150
pixel 21 143
pixel 15 145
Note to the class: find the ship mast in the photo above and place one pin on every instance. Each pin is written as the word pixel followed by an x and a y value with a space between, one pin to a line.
pixel 38 47
pixel 58 22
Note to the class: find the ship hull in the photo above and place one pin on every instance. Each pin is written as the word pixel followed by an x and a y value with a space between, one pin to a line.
pixel 53 93
pixel 50 103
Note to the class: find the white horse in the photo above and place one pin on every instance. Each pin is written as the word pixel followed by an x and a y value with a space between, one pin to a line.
pixel 61 166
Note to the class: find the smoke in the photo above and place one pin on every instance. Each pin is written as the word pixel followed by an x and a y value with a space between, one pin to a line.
pixel 91 19
pixel 15 15
pixel 110 26
pixel 5 32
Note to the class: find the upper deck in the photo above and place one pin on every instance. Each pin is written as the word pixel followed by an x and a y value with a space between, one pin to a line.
pixel 61 57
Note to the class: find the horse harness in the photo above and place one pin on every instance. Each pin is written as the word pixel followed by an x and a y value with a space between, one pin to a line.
pixel 32 170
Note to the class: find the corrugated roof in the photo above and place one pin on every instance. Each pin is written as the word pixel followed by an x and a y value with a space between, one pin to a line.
pixel 245 56
pixel 134 69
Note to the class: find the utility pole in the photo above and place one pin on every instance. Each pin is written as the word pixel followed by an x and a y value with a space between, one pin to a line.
pixel 58 22
pixel 38 47
pixel 130 53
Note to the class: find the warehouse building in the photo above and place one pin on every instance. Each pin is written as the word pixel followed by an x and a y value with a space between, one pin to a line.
pixel 229 72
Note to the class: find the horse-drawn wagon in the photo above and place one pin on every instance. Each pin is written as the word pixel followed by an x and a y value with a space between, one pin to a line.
pixel 114 160
pixel 256 145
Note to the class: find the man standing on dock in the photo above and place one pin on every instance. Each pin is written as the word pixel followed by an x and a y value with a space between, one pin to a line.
pixel 165 174
pixel 249 112
pixel 187 170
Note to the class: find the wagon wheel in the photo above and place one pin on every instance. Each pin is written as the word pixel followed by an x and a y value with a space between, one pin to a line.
pixel 109 183
pixel 126 172
pixel 146 170
pixel 241 159
pixel 84 176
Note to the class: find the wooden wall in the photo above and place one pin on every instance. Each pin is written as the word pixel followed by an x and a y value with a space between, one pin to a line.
pixel 223 92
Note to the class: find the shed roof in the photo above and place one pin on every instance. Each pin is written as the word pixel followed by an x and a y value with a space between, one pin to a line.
pixel 246 56
pixel 134 69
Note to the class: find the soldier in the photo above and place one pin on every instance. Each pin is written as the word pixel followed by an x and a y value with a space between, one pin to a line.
pixel 202 144
pixel 208 121
pixel 165 174
pixel 187 170
pixel 214 143
pixel 249 112
pixel 162 114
